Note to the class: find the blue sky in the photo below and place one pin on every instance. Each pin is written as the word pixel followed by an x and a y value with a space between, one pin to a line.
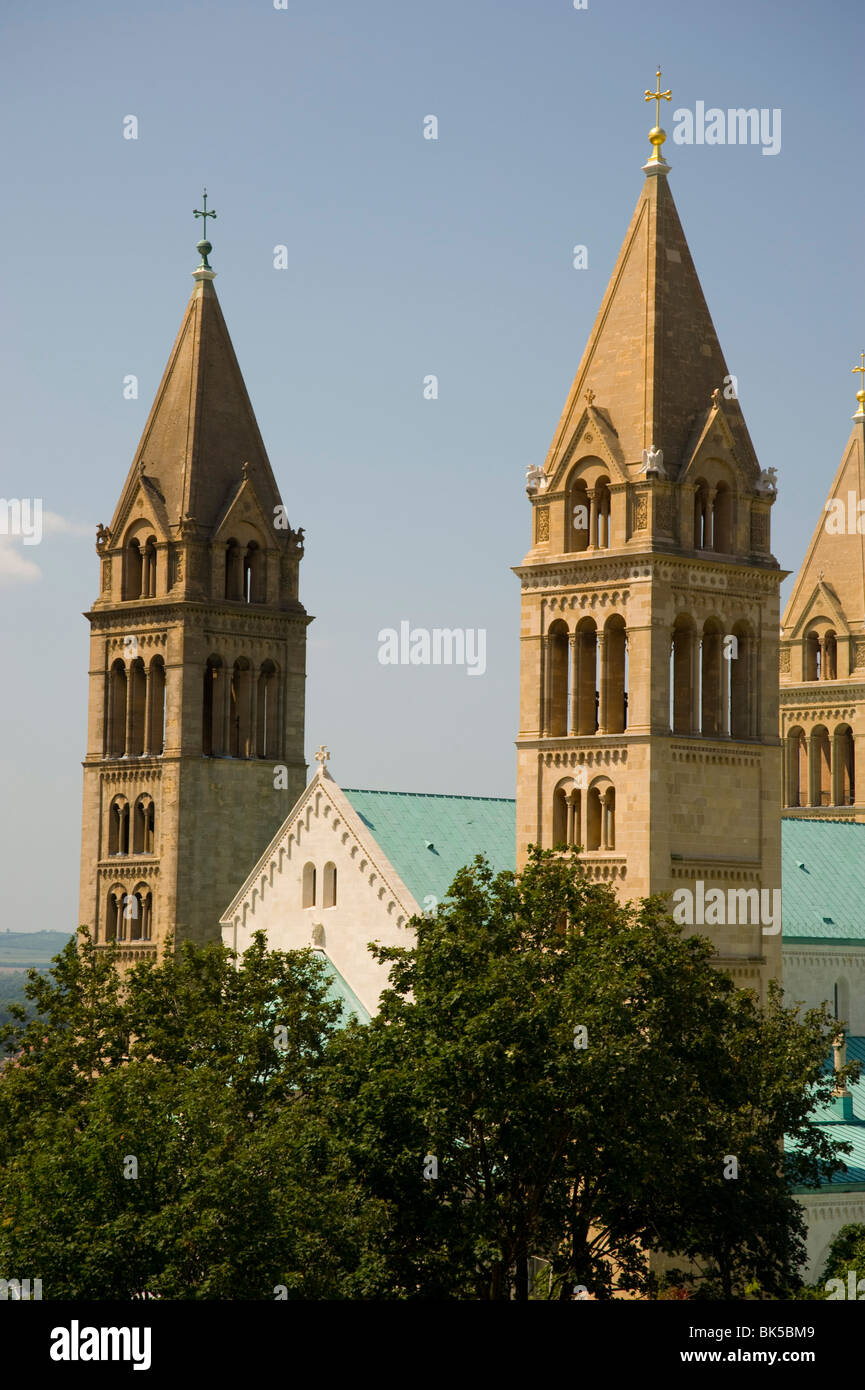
pixel 406 257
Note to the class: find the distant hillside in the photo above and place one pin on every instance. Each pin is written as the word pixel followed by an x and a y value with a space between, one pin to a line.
pixel 21 950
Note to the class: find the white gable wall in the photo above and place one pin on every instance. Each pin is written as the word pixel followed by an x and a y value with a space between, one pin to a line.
pixel 372 903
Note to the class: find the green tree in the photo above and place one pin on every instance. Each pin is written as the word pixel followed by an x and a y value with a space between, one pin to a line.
pixel 156 1138
pixel 475 1073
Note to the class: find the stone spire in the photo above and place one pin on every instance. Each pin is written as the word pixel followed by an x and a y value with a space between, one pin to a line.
pixel 201 429
pixel 653 359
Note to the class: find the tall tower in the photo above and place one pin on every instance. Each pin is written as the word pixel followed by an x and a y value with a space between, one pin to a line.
pixel 823 652
pixel 650 610
pixel 197 657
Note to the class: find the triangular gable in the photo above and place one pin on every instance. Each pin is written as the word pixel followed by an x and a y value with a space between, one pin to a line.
pixel 840 559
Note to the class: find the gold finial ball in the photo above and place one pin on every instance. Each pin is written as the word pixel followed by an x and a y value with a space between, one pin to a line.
pixel 657 136
pixel 860 396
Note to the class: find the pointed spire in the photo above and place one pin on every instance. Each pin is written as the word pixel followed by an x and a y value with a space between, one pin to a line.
pixel 653 359
pixel 836 555
pixel 201 440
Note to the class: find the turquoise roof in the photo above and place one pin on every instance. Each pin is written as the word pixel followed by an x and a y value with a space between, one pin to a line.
pixel 427 838
pixel 339 990
pixel 823 880
pixel 848 1127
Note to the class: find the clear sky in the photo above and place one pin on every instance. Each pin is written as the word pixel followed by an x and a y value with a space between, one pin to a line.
pixel 406 257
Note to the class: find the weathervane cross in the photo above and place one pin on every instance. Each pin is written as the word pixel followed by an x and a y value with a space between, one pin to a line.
pixel 657 97
pixel 205 214
pixel 860 368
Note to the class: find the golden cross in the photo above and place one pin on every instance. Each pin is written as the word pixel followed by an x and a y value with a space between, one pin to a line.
pixel 860 368
pixel 657 97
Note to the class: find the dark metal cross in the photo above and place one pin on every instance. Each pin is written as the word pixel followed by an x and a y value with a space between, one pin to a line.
pixel 205 214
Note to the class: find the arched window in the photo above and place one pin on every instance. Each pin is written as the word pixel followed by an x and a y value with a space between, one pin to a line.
pixel 145 825
pixel 212 714
pixel 114 903
pixel 608 818
pixel 132 570
pixel 253 574
pixel 829 669
pixel 615 711
pixel 156 699
pixel 713 680
pixel 118 826
pixel 587 677
pixel 148 569
pixel 844 767
pixel 233 570
pixel 265 734
pixel 797 768
pixel 309 885
pixel 560 818
pixel 329 886
pixel 722 520
pixel 820 763
pixel 241 692
pixel 702 518
pixel 601 531
pixel 115 734
pixel 137 695
pixel 559 652
pixel 743 671
pixel 683 676
pixel 812 657
pixel 137 914
pixel 578 517
pixel 594 819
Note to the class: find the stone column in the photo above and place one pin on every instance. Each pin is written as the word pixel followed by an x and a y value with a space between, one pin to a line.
pixel 570 830
pixel 603 683
pixel 226 710
pixel 130 693
pixel 148 710
pixel 546 687
pixel 253 713
pixel 593 521
pixel 574 654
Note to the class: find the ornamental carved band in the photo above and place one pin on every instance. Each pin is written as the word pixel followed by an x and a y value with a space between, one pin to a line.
pixel 784 660
pixel 641 513
pixel 542 528
pixel 759 531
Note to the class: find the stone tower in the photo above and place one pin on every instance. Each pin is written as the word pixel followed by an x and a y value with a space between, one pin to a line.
pixel 823 654
pixel 197 658
pixel 650 613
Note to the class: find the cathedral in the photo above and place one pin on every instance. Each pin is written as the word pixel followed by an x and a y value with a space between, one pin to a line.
pixel 655 730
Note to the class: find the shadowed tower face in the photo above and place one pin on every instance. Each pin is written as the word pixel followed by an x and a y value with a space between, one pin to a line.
pixel 197 658
pixel 650 613
pixel 823 652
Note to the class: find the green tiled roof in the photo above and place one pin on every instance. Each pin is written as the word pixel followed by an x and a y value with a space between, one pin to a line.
pixel 850 1129
pixel 823 880
pixel 340 990
pixel 428 838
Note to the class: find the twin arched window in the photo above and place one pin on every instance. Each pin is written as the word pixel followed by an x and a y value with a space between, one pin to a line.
pixel 132 833
pixel 240 709
pixel 328 897
pixel 139 568
pixel 588 515
pixel 135 709
pixel 245 572
pixel 713 518
pixel 129 915
pixel 586 818
pixel 821 656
